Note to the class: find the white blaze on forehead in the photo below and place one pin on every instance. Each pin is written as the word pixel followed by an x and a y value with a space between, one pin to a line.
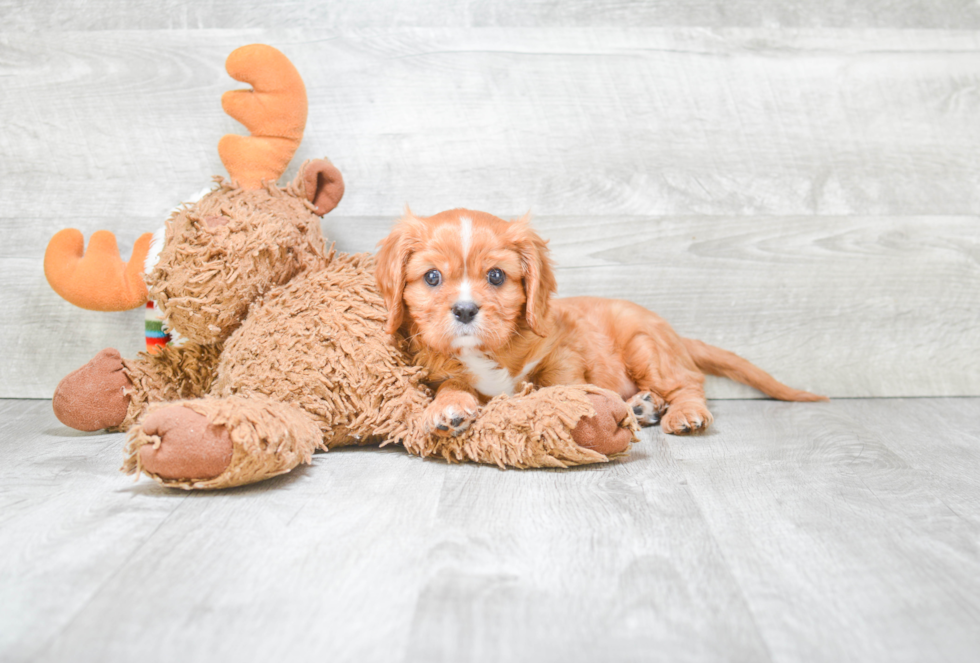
pixel 465 234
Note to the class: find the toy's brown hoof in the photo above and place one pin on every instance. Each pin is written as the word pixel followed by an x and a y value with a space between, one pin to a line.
pixel 95 396
pixel 190 446
pixel 603 432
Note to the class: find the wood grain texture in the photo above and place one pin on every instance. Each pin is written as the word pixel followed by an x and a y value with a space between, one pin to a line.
pixel 841 531
pixel 829 522
pixel 601 563
pixel 829 176
pixel 66 523
pixel 198 14
pixel 564 121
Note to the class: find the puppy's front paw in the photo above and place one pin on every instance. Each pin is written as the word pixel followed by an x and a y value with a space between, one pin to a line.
pixel 450 415
pixel 686 418
pixel 648 407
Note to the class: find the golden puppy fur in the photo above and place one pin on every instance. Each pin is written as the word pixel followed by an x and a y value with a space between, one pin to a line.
pixel 473 295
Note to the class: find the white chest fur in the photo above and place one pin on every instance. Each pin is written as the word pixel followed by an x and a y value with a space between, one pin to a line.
pixel 491 378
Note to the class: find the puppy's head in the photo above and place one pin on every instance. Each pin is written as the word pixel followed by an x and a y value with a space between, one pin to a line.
pixel 467 279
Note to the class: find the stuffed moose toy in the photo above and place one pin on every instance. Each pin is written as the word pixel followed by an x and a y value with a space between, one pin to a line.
pixel 283 348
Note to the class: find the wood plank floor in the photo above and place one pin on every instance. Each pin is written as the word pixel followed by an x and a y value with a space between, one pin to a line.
pixel 846 531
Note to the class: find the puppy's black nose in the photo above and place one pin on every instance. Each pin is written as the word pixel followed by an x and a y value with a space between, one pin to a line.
pixel 465 311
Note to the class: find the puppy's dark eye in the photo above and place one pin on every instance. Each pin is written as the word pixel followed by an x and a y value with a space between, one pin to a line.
pixel 495 276
pixel 433 277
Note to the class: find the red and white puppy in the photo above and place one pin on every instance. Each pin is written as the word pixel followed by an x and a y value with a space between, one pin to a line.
pixel 472 294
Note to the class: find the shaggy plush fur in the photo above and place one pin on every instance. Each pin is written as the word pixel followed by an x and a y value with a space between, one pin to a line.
pixel 234 245
pixel 170 374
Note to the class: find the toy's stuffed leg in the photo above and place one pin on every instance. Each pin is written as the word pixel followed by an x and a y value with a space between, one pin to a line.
pixel 221 442
pixel 552 427
pixel 171 374
pixel 112 392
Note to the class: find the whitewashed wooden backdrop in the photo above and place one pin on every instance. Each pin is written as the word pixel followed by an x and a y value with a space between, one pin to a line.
pixel 796 181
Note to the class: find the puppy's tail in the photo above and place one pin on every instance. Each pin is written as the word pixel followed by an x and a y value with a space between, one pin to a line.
pixel 716 361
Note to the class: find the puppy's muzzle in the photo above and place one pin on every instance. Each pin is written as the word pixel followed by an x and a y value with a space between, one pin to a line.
pixel 465 311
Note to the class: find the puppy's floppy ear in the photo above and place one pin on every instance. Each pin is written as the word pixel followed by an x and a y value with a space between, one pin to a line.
pixel 539 275
pixel 392 258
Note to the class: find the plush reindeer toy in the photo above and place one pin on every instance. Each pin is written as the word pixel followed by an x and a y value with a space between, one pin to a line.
pixel 284 349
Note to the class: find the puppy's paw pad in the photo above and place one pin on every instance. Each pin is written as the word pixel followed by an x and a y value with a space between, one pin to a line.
pixel 686 419
pixel 648 407
pixel 450 420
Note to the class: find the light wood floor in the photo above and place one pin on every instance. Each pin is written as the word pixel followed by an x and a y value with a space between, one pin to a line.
pixel 846 531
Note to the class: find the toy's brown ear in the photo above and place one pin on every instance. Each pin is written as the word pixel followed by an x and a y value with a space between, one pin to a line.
pixel 539 276
pixel 322 184
pixel 392 258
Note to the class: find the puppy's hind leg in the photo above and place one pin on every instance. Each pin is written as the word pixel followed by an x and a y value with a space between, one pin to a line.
pixel 663 369
pixel 648 407
pixel 687 411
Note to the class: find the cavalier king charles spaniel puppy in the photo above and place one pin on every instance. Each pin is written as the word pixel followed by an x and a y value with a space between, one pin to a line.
pixel 472 295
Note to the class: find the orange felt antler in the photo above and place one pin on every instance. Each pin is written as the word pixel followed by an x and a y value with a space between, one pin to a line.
pixel 96 279
pixel 274 112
